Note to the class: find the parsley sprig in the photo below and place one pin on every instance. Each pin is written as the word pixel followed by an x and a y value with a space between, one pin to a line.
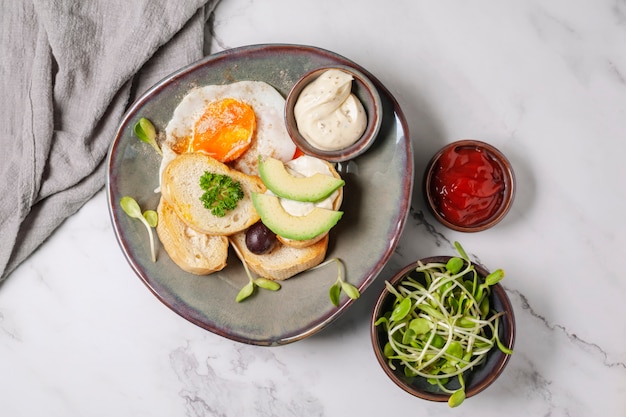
pixel 221 193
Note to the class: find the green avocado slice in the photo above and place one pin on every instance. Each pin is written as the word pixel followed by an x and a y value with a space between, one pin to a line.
pixel 309 189
pixel 274 216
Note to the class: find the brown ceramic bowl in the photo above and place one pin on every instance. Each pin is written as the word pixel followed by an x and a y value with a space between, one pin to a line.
pixel 476 379
pixel 364 89
pixel 506 179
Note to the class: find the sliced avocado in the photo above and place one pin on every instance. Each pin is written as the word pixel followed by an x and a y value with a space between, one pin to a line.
pixel 274 216
pixel 283 184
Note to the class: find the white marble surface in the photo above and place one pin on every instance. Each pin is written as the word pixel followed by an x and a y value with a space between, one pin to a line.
pixel 545 82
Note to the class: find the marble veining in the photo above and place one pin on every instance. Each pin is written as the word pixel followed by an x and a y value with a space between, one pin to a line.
pixel 544 82
pixel 210 388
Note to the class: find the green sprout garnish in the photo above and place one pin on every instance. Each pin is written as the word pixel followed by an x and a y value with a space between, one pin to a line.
pixel 145 131
pixel 260 282
pixel 441 325
pixel 149 218
pixel 221 193
pixel 335 290
pixel 457 396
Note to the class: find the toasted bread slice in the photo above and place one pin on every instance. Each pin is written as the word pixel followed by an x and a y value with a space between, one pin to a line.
pixel 193 252
pixel 181 188
pixel 282 262
pixel 338 199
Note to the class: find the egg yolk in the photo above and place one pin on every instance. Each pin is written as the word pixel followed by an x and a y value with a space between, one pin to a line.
pixel 224 131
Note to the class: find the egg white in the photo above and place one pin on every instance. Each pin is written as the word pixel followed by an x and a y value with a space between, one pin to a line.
pixel 270 137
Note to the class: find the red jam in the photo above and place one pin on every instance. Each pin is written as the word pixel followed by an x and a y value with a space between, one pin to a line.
pixel 467 186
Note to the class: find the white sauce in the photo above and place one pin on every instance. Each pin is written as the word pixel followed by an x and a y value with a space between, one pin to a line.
pixel 306 166
pixel 328 115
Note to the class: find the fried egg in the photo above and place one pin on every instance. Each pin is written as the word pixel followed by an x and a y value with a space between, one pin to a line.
pixel 234 123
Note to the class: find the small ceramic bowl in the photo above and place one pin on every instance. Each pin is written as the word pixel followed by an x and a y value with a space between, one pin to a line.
pixel 506 179
pixel 364 89
pixel 476 379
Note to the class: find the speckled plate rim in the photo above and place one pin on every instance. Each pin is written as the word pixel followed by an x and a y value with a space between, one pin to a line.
pixel 399 146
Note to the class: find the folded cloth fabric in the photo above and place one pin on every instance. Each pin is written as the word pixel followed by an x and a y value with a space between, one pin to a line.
pixel 68 71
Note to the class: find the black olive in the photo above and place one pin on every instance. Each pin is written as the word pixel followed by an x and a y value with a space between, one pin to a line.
pixel 260 239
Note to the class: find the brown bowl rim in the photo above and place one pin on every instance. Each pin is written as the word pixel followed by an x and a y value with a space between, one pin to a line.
pixel 373 107
pixel 473 387
pixel 509 183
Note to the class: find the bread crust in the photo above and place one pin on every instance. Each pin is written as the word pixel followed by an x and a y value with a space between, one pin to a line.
pixel 282 262
pixel 193 252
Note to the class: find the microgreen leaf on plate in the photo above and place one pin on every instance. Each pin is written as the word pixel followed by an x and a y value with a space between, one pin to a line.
pixel 145 131
pixel 340 284
pixel 261 282
pixel 149 218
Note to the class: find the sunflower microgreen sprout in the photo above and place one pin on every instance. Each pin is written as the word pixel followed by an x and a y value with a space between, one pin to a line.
pixel 441 324
pixel 340 284
pixel 148 218
pixel 261 282
pixel 145 131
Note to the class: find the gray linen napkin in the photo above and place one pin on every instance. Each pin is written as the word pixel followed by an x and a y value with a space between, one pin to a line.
pixel 68 71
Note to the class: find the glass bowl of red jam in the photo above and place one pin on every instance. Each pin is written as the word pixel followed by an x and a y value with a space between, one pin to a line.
pixel 469 185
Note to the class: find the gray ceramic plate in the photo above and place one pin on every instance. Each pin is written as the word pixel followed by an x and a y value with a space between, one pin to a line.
pixel 376 203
